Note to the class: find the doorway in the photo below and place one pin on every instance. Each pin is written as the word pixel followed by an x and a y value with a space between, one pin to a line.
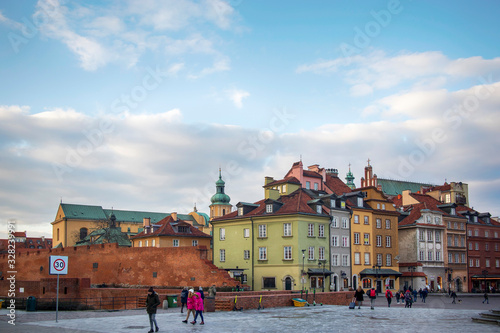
pixel 288 283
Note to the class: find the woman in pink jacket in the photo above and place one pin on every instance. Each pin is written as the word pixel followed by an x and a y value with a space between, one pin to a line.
pixel 191 304
pixel 199 308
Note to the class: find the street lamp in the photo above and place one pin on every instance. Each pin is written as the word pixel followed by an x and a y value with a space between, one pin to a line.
pixel 322 262
pixel 303 271
pixel 376 268
pixel 343 275
pixel 412 269
pixel 450 271
pixel 485 273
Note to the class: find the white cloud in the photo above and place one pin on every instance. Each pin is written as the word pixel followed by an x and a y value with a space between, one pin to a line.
pixel 236 96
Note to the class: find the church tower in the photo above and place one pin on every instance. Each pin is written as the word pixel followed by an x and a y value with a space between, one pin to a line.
pixel 350 179
pixel 220 201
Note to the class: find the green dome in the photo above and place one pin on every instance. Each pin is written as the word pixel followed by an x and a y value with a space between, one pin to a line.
pixel 220 197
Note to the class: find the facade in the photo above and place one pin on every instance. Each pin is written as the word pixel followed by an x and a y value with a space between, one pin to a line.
pixel 483 247
pixel 278 243
pixel 73 222
pixel 22 242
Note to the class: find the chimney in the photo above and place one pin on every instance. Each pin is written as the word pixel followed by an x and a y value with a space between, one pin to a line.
pixel 268 180
pixel 174 216
pixel 43 238
pixel 332 172
pixel 146 222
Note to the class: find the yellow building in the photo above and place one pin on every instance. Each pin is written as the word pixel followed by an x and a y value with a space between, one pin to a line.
pixel 74 222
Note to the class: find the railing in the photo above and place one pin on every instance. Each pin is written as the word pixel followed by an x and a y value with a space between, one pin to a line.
pixel 72 304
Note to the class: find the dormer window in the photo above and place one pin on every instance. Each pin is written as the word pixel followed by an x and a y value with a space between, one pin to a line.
pixel 332 203
pixel 360 202
pixel 452 211
pixel 283 189
pixel 475 218
pixel 319 209
pixel 316 186
pixel 342 204
pixel 428 219
pixel 240 211
pixel 269 208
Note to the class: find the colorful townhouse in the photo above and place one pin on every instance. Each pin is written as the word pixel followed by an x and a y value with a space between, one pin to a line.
pixel 278 243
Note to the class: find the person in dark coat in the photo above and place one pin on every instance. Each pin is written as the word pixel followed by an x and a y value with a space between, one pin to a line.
pixel 358 295
pixel 184 298
pixel 152 302
pixel 454 296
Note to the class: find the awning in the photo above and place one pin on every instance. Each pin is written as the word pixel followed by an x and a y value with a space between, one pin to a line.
pixel 383 272
pixel 487 277
pixel 319 271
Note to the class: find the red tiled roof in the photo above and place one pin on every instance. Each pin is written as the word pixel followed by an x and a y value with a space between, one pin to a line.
pixel 291 180
pixel 336 185
pixel 313 174
pixel 19 234
pixel 166 229
pixel 444 187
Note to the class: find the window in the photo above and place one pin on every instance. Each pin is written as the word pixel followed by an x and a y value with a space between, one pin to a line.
pixel 388 260
pixel 379 241
pixel 367 258
pixel 438 236
pixel 246 233
pixel 462 241
pixel 345 260
pixel 470 246
pixel 246 254
pixel 471 263
pixel 378 206
pixel 287 229
pixel 308 185
pixel 342 204
pixel 449 225
pixel 457 257
pixel 321 230
pixel 83 233
pixel 194 242
pixel 345 223
pixel 383 206
pixel 319 209
pixel 450 240
pixel 356 218
pixel 240 211
pixel 462 256
pixel 476 232
pixel 175 243
pixel 357 259
pixel 429 255
pixel 310 230
pixel 477 263
pixel 360 202
pixel 335 222
pixel 222 234
pixel 462 225
pixel 455 240
pixel 496 234
pixel 367 220
pixel 388 224
pixel 378 223
pixel 316 186
pixel 57 233
pixel 269 208
pixel 283 189
pixel 321 253
pixel 262 231
pixel 387 241
pixel 497 263
pixel 438 255
pixel 421 255
pixel 262 253
pixel 379 259
pixel 421 235
pixel 496 246
pixel 450 257
pixel 335 260
pixel 332 203
pixel 437 220
pixel 287 253
pixel 335 240
pixel 140 243
pixel 429 235
pixel 366 240
pixel 269 282
pixel 477 246
pixel 311 253
pixel 469 232
pixel 222 255
pixel 356 238
pixel 487 262
pixel 486 233
pixel 345 241
pixel 367 283
pixel 455 225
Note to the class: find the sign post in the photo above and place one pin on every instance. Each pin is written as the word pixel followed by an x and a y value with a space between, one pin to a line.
pixel 58 265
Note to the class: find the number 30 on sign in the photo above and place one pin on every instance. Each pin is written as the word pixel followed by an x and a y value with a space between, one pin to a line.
pixel 58 265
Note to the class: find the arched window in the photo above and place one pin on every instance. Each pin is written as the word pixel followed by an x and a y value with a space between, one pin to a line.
pixel 83 233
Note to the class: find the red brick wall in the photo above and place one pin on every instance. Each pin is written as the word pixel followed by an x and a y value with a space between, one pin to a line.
pixel 183 266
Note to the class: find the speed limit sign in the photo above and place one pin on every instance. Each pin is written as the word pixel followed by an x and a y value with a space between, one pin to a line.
pixel 58 265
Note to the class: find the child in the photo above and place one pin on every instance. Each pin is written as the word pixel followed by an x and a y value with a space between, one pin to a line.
pixel 190 304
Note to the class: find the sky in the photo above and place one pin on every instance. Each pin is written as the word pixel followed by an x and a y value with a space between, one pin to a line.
pixel 135 105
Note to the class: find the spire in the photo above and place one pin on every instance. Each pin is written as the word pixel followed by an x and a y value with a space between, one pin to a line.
pixel 220 197
pixel 350 179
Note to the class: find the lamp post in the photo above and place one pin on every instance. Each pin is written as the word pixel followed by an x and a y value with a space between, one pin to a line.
pixel 322 262
pixel 343 275
pixel 376 268
pixel 303 267
pixel 412 269
pixel 450 271
pixel 485 273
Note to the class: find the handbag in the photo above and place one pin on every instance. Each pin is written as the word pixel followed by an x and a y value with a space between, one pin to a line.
pixel 352 305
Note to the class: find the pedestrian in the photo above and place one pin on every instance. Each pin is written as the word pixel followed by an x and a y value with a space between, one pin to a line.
pixel 373 295
pixel 388 295
pixel 424 294
pixel 212 291
pixel 190 305
pixel 486 298
pixel 454 296
pixel 184 298
pixel 358 295
pixel 408 299
pixel 198 306
pixel 420 294
pixel 152 302
pixel 202 295
pixel 397 296
pixel 414 295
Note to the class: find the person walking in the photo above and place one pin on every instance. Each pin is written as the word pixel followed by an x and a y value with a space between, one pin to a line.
pixel 198 306
pixel 190 305
pixel 424 294
pixel 388 295
pixel 202 295
pixel 358 295
pixel 454 296
pixel 152 302
pixel 212 291
pixel 414 291
pixel 397 296
pixel 184 298
pixel 373 295
pixel 486 298
pixel 408 299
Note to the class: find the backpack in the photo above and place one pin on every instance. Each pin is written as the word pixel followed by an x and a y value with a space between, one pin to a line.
pixel 388 294
pixel 372 293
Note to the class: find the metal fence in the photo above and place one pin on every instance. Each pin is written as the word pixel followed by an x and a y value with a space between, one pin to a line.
pixel 72 304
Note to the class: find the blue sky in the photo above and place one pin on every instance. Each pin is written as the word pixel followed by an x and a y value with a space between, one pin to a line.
pixel 135 104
